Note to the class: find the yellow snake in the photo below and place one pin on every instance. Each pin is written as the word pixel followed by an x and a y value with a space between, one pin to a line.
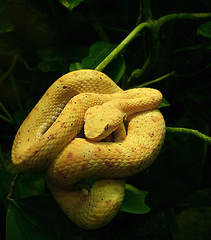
pixel 47 140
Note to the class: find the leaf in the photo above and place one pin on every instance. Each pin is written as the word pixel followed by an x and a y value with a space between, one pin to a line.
pixel 70 4
pixel 134 201
pixel 58 59
pixel 35 218
pixel 6 25
pixel 116 69
pixel 164 103
pixel 5 182
pixel 52 60
pixel 98 52
pixel 21 226
pixel 204 30
pixel 75 66
pixel 29 185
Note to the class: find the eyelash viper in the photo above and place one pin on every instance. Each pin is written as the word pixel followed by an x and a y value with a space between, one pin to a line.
pixel 47 140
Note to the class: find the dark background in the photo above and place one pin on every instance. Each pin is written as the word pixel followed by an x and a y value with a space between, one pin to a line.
pixel 39 41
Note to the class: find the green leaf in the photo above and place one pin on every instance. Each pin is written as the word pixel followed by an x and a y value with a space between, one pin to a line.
pixel 204 30
pixel 6 25
pixel 52 60
pixel 70 4
pixel 98 52
pixel 75 66
pixel 116 69
pixel 22 226
pixel 164 103
pixel 134 201
pixel 29 185
pixel 5 182
pixel 37 217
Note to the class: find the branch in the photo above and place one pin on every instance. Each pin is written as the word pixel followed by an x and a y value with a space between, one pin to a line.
pixel 148 24
pixel 156 80
pixel 182 16
pixel 122 45
pixel 191 132
pixel 10 70
pixel 8 118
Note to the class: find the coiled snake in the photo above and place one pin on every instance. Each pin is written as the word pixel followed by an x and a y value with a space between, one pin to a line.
pixel 47 140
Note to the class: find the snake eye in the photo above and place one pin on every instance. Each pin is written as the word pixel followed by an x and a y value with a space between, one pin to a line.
pixel 106 127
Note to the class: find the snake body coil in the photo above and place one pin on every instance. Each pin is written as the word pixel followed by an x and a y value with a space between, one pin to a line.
pixel 47 139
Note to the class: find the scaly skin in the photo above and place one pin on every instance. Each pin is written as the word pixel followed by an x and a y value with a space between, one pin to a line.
pixel 47 140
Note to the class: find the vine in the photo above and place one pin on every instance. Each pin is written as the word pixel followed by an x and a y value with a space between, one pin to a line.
pixel 154 26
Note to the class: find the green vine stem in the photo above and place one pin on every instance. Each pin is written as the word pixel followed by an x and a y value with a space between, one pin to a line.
pixel 122 46
pixel 156 80
pixel 182 16
pixel 191 132
pixel 10 70
pixel 156 25
pixel 7 118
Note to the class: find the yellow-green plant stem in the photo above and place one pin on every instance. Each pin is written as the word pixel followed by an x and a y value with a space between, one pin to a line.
pixel 191 132
pixel 182 16
pixel 149 24
pixel 8 118
pixel 122 45
pixel 10 70
pixel 156 80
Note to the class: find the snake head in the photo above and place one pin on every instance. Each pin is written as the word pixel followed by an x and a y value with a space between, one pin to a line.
pixel 101 121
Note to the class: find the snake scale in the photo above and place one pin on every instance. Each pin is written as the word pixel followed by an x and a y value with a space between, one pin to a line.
pixel 48 141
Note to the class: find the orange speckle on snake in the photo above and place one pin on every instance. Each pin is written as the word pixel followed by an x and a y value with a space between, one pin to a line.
pixel 51 137
pixel 155 119
pixel 151 134
pixel 118 150
pixel 69 155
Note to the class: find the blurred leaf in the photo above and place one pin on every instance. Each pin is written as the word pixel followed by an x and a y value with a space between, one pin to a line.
pixel 29 185
pixel 196 199
pixel 97 53
pixel 53 60
pixel 75 66
pixel 6 25
pixel 164 103
pixel 70 4
pixel 35 218
pixel 204 30
pixel 134 201
pixel 5 183
pixel 116 69
pixel 58 59
pixel 22 226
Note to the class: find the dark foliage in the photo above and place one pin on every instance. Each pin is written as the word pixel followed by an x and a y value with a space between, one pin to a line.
pixel 41 40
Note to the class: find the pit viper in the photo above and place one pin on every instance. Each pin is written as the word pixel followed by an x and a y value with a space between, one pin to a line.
pixel 124 132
